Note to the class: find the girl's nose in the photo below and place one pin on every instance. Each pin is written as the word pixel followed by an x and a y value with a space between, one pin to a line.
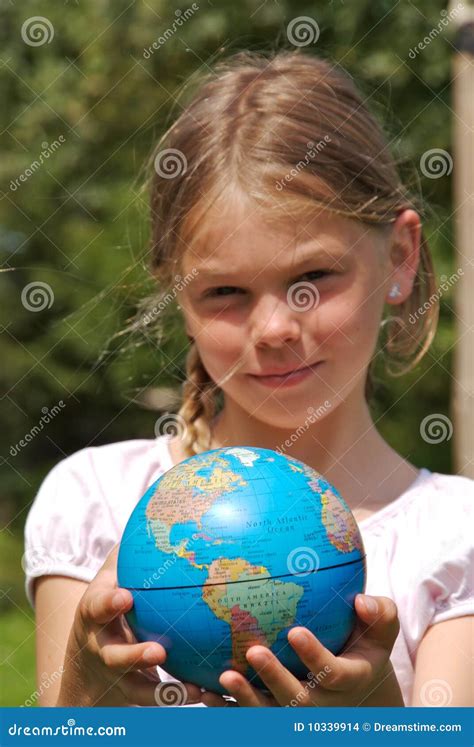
pixel 274 322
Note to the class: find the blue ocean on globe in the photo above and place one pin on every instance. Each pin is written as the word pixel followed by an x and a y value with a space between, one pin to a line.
pixel 233 547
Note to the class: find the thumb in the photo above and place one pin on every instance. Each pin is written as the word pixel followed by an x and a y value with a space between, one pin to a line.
pixel 380 618
pixel 106 576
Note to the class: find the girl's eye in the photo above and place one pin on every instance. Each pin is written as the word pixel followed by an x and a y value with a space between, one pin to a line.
pixel 316 272
pixel 227 290
pixel 216 291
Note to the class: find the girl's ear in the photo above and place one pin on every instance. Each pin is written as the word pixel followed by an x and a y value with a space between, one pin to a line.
pixel 404 256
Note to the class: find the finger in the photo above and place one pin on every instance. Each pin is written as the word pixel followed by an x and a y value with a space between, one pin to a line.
pixel 175 693
pixel 283 685
pixel 380 616
pixel 325 669
pixel 138 691
pixel 370 644
pixel 122 657
pixel 129 689
pixel 107 573
pixel 329 672
pixel 243 692
pixel 106 579
pixel 102 605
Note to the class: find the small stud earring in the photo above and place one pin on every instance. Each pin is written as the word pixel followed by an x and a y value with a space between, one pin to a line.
pixel 395 291
pixel 178 306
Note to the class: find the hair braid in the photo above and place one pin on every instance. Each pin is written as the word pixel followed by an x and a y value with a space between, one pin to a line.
pixel 198 404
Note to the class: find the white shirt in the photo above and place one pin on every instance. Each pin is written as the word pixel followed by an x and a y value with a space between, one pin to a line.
pixel 419 547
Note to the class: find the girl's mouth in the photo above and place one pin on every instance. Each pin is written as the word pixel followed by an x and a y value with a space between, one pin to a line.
pixel 288 379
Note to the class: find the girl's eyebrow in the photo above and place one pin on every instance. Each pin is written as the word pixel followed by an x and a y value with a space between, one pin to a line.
pixel 212 271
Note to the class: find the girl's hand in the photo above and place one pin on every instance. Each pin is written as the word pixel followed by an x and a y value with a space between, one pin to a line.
pixel 361 675
pixel 104 664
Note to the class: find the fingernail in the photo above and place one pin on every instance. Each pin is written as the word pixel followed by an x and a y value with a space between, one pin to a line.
pixel 301 639
pixel 150 654
pixel 117 600
pixel 371 605
pixel 230 682
pixel 258 659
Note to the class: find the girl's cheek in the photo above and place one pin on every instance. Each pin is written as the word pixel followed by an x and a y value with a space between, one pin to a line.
pixel 335 320
pixel 221 351
pixel 347 332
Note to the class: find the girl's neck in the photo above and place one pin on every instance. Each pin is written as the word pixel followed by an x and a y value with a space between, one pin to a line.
pixel 343 445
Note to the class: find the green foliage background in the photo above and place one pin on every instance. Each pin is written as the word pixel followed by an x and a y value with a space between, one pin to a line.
pixel 79 223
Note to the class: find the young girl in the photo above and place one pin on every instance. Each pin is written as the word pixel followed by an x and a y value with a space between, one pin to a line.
pixel 281 225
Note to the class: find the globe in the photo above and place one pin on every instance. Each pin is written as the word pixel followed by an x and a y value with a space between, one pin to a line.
pixel 233 547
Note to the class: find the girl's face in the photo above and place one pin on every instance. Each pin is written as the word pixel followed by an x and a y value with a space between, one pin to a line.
pixel 276 301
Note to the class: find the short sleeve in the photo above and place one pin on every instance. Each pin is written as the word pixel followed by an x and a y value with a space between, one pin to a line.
pixel 453 594
pixel 68 530
pixel 450 583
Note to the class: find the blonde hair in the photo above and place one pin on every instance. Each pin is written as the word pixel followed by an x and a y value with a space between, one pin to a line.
pixel 251 123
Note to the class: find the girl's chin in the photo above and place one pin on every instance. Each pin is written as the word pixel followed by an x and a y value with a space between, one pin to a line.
pixel 278 416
